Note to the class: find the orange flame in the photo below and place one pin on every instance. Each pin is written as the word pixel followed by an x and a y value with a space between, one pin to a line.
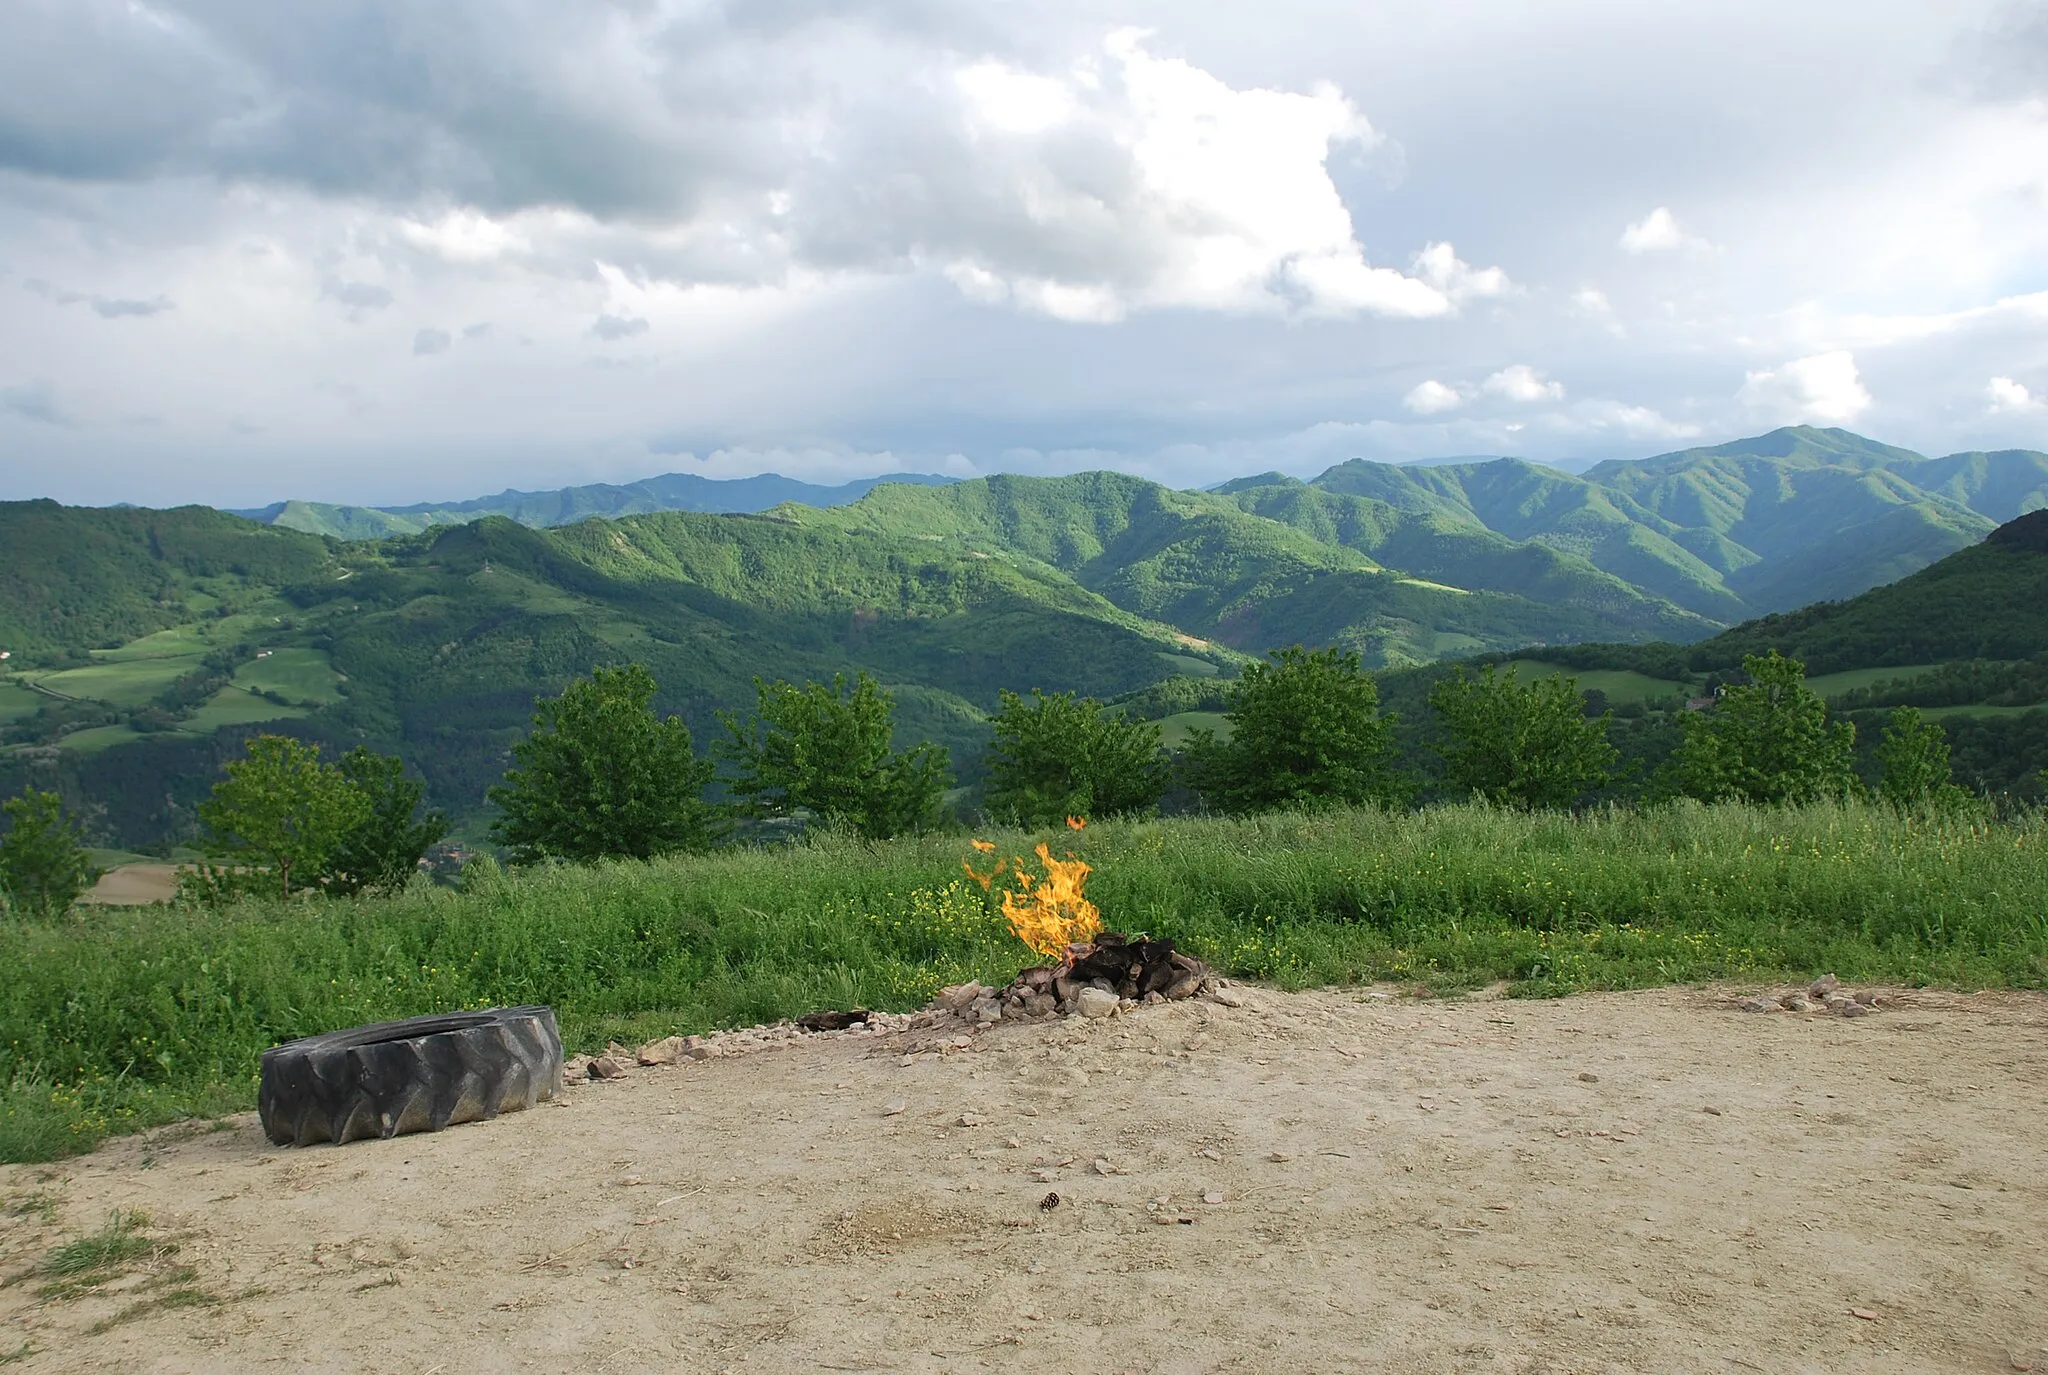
pixel 1050 914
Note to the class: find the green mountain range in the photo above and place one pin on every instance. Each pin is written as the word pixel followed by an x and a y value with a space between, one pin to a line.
pixel 567 505
pixel 1723 533
pixel 143 646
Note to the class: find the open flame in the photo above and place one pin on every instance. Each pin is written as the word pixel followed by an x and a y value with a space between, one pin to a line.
pixel 1050 913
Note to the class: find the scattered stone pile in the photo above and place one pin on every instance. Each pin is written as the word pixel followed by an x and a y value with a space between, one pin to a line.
pixel 1824 994
pixel 1103 978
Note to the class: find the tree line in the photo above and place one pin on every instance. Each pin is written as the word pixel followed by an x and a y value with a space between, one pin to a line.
pixel 602 775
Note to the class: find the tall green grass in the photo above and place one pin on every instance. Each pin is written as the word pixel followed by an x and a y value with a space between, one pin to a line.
pixel 120 1018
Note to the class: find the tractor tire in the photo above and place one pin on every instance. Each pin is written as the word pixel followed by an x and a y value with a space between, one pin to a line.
pixel 420 1074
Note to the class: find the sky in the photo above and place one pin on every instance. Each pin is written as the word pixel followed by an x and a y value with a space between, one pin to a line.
pixel 378 251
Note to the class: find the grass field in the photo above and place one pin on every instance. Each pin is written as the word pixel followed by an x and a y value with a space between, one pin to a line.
pixel 1620 685
pixel 1831 684
pixel 17 701
pixel 120 682
pixel 303 675
pixel 1174 730
pixel 234 706
pixel 95 738
pixel 134 1016
pixel 1973 709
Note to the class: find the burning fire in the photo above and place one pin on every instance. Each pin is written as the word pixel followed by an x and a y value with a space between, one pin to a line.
pixel 1048 914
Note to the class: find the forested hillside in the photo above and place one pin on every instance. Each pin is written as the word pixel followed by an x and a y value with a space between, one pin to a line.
pixel 1759 525
pixel 143 646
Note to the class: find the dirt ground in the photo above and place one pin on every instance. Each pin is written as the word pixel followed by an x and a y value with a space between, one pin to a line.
pixel 1633 1182
pixel 132 885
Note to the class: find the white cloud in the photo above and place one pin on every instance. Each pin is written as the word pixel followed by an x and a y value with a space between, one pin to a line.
pixel 2008 397
pixel 1824 387
pixel 1659 232
pixel 1459 281
pixel 1432 397
pixel 1520 382
pixel 614 327
pixel 1132 181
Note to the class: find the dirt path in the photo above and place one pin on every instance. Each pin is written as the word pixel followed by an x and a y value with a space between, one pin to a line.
pixel 1633 1182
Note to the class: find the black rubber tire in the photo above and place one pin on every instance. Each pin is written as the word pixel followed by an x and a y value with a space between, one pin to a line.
pixel 418 1075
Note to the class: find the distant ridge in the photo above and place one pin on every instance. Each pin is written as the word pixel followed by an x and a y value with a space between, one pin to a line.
pixel 1720 532
pixel 567 505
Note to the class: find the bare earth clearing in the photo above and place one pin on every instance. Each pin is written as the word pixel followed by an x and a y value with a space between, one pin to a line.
pixel 1646 1181
pixel 133 885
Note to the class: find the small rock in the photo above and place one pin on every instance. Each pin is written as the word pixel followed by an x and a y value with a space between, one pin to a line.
pixel 1105 1168
pixel 1589 1078
pixel 968 1119
pixel 1093 1003
pixel 1849 1007
pixel 1213 1196
pixel 1795 1002
pixel 893 1109
pixel 1711 1111
pixel 1866 996
pixel 1211 1153
pixel 576 1067
pixel 958 997
pixel 606 1067
pixel 1866 1314
pixel 1760 1005
pixel 1228 997
pixel 662 1052
pixel 1196 1041
pixel 1279 1157
pixel 1824 985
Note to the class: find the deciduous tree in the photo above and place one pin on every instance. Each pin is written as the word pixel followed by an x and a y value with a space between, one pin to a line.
pixel 1520 744
pixel 1307 731
pixel 601 776
pixel 1766 741
pixel 43 867
pixel 824 748
pixel 1913 758
pixel 282 811
pixel 382 853
pixel 1058 756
